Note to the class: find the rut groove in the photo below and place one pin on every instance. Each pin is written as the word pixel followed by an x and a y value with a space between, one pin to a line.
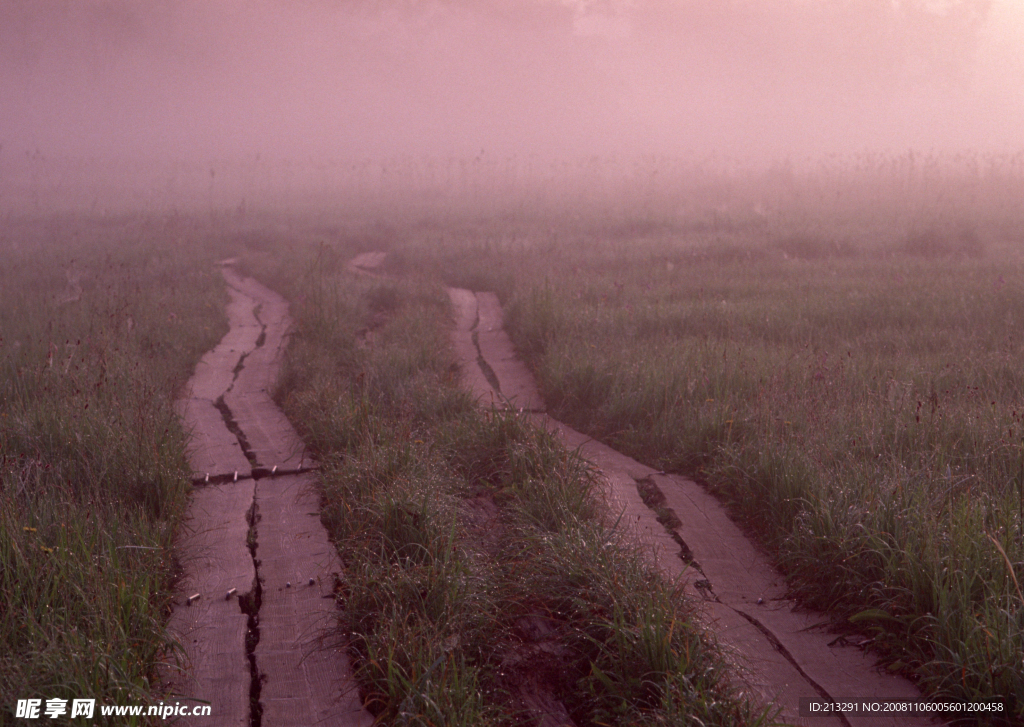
pixel 782 654
pixel 249 604
pixel 253 534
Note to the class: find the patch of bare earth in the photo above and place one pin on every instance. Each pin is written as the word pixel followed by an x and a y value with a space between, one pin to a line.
pixel 255 617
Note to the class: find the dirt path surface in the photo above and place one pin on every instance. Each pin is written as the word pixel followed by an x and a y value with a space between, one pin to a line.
pixel 257 610
pixel 366 262
pixel 783 654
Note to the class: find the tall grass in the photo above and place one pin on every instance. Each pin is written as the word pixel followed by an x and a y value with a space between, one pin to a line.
pixel 856 398
pixel 101 323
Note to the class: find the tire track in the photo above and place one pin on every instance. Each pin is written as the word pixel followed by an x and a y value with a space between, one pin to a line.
pixel 256 622
pixel 782 655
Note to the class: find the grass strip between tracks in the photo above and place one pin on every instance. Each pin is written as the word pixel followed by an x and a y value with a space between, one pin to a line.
pixel 481 585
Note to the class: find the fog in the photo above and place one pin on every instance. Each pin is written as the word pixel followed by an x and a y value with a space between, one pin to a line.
pixel 181 89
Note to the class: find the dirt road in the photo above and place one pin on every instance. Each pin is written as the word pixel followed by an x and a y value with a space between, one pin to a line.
pixel 781 653
pixel 256 611
pixel 257 598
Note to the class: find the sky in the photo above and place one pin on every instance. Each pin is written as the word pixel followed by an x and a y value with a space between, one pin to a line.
pixel 339 79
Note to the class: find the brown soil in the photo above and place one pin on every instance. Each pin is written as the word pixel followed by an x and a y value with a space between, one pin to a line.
pixel 256 611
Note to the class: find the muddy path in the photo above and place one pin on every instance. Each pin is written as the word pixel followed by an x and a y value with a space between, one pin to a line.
pixel 783 654
pixel 255 615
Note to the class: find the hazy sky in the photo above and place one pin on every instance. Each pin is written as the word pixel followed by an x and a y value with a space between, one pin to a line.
pixel 363 78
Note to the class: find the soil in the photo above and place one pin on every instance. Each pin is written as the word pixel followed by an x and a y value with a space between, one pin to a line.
pixel 256 613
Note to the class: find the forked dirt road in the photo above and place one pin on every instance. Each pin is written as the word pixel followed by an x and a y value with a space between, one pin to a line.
pixel 257 607
pixel 256 614
pixel 783 654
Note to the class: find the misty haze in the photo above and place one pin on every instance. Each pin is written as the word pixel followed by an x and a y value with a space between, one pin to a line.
pixel 645 361
pixel 274 95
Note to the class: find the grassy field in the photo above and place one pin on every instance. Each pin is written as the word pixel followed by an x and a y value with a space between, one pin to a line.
pixel 101 323
pixel 480 582
pixel 853 389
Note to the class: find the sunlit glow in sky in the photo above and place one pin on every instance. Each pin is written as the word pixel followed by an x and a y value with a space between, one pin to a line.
pixel 762 79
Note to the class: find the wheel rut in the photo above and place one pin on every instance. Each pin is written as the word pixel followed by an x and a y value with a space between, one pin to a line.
pixel 256 614
pixel 782 655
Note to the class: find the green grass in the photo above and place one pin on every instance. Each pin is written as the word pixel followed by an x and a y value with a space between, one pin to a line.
pixel 852 387
pixel 102 321
pixel 855 394
pixel 456 617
